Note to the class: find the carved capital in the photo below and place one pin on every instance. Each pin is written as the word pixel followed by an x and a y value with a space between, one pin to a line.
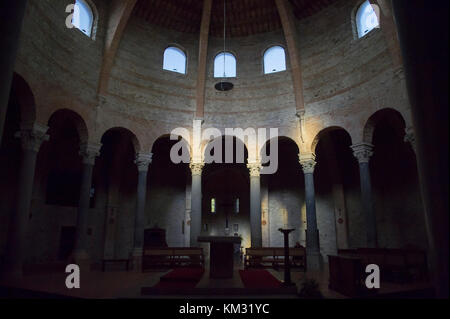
pixel 410 137
pixel 308 162
pixel 362 152
pixel 196 168
pixel 254 169
pixel 143 161
pixel 89 152
pixel 32 138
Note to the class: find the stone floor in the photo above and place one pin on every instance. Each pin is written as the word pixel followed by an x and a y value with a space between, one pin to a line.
pixel 122 284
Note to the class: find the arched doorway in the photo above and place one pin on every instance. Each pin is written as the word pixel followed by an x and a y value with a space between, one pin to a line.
pixel 283 196
pixel 396 193
pixel 167 206
pixel 339 215
pixel 114 194
pixel 226 192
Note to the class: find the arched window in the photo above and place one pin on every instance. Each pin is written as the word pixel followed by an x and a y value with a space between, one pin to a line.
pixel 225 65
pixel 174 60
pixel 83 17
pixel 213 205
pixel 366 19
pixel 274 60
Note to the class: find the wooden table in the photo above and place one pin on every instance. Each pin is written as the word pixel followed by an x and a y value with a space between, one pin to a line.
pixel 221 256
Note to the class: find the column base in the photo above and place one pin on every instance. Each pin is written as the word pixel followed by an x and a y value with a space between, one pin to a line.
pixel 314 261
pixel 136 257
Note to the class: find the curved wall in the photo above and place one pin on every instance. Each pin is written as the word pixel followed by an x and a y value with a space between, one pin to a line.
pixel 61 65
pixel 345 82
pixel 341 75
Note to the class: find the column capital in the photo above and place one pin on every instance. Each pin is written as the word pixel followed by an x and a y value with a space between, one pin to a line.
pixel 33 137
pixel 89 152
pixel 308 162
pixel 410 137
pixel 362 151
pixel 196 167
pixel 254 169
pixel 142 161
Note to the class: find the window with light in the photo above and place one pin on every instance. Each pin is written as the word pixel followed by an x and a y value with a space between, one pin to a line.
pixel 83 17
pixel 225 65
pixel 174 60
pixel 366 19
pixel 213 205
pixel 274 60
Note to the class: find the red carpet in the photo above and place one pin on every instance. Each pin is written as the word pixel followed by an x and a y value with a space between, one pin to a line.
pixel 181 278
pixel 258 278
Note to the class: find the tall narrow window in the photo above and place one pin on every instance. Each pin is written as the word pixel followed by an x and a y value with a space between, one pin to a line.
pixel 236 208
pixel 225 65
pixel 274 60
pixel 213 205
pixel 366 19
pixel 83 18
pixel 174 60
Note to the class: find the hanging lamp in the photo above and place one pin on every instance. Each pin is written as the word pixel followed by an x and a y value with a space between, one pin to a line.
pixel 224 85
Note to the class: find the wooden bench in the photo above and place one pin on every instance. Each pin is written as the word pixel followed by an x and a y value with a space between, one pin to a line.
pixel 273 257
pixel 116 261
pixel 396 265
pixel 172 257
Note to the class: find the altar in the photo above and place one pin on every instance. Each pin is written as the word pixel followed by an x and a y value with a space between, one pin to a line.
pixel 221 260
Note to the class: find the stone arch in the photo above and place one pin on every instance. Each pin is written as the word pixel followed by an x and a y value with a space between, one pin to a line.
pixel 322 132
pixel 376 117
pixel 236 140
pixel 167 135
pixel 265 157
pixel 78 121
pixel 134 140
pixel 26 100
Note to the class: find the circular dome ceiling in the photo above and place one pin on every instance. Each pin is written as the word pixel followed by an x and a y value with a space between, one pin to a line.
pixel 244 17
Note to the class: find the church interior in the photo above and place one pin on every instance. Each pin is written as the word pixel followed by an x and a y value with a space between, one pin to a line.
pixel 99 97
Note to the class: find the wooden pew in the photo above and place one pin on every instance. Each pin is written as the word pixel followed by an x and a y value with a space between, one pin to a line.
pixel 396 265
pixel 273 257
pixel 172 257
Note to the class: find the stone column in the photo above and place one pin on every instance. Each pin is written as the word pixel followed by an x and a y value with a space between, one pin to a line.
pixel 89 153
pixel 31 140
pixel 410 138
pixel 307 161
pixel 255 204
pixel 363 152
pixel 196 201
pixel 142 162
pixel 11 17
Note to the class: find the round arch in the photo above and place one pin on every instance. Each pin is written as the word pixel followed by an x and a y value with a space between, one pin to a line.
pixel 128 133
pixel 324 131
pixel 75 118
pixel 26 100
pixel 375 118
pixel 208 145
